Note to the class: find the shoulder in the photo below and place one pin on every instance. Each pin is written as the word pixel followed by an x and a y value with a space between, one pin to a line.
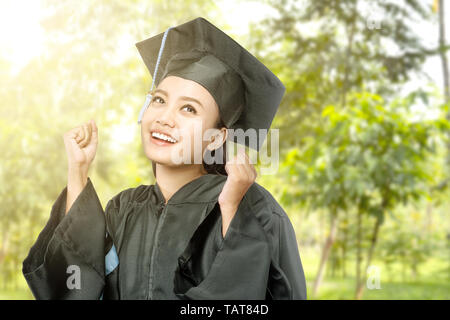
pixel 264 207
pixel 270 215
pixel 124 204
pixel 260 197
pixel 130 196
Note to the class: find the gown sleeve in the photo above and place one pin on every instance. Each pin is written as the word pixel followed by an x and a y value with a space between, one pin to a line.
pixel 287 278
pixel 237 269
pixel 253 261
pixel 67 261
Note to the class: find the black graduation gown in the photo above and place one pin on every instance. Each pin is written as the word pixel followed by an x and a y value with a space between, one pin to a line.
pixel 142 248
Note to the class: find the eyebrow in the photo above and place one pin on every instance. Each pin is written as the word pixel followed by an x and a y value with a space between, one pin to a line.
pixel 182 97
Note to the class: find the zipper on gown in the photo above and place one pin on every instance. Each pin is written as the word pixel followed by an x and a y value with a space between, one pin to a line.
pixel 161 209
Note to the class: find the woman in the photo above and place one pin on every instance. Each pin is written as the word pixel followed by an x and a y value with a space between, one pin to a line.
pixel 202 231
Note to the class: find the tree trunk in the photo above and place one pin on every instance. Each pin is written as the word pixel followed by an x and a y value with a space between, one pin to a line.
pixel 429 211
pixel 403 269
pixel 325 252
pixel 443 55
pixel 321 228
pixel 348 56
pixel 443 51
pixel 344 245
pixel 360 289
pixel 358 248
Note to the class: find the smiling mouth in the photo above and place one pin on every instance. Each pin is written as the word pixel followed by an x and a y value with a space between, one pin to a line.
pixel 162 138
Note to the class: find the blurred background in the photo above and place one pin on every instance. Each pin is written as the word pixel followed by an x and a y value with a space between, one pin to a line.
pixel 364 169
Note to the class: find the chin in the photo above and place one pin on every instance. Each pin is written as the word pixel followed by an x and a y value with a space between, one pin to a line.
pixel 163 156
pixel 159 159
pixel 162 159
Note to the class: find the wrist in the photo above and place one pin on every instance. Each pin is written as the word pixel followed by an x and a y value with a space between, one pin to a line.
pixel 76 170
pixel 77 176
pixel 228 209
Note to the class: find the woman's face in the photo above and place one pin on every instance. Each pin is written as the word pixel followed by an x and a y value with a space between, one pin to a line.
pixel 185 112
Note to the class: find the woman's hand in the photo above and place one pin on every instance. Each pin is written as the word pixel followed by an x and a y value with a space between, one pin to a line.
pixel 81 146
pixel 241 175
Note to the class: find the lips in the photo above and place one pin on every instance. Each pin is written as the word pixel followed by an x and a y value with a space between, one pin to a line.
pixel 162 138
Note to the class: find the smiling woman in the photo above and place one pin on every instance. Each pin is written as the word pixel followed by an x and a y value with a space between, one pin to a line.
pixel 202 115
pixel 173 121
pixel 196 233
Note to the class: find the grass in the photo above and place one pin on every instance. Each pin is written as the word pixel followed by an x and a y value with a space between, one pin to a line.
pixel 16 294
pixel 396 282
pixel 344 289
pixel 334 288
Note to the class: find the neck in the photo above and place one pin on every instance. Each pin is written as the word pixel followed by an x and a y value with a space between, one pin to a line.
pixel 171 178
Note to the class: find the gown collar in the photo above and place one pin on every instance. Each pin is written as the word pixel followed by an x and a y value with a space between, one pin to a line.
pixel 205 188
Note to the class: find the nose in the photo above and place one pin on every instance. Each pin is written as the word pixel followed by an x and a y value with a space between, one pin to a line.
pixel 166 117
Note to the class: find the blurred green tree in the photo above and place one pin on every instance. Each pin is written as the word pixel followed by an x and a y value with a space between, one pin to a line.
pixel 367 157
pixel 89 69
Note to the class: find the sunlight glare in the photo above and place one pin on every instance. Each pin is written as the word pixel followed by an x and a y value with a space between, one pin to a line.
pixel 21 36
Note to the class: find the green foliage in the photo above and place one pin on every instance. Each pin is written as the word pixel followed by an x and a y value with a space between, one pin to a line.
pixel 368 155
pixel 329 49
pixel 89 69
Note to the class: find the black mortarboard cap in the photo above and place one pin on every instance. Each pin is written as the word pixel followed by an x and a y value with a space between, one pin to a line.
pixel 247 92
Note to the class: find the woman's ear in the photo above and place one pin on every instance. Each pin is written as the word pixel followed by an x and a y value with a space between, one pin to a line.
pixel 218 139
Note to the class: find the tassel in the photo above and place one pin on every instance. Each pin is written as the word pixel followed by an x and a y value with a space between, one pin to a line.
pixel 148 98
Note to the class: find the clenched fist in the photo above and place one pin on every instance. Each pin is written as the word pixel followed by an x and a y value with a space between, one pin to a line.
pixel 81 146
pixel 241 175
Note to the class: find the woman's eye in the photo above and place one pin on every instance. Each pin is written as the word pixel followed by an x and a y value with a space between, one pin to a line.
pixel 155 98
pixel 189 108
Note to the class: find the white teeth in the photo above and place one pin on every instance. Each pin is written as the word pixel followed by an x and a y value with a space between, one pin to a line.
pixel 163 137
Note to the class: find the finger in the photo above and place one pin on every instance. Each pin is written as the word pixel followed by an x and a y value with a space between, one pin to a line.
pixel 71 134
pixel 249 168
pixel 80 134
pixel 233 157
pixel 85 141
pixel 246 166
pixel 239 167
pixel 245 158
pixel 73 143
pixel 77 138
pixel 75 133
pixel 240 151
pixel 244 163
pixel 231 165
pixel 89 132
pixel 254 172
pixel 70 142
pixel 67 137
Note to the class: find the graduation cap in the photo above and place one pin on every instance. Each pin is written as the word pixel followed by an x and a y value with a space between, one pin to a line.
pixel 247 92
